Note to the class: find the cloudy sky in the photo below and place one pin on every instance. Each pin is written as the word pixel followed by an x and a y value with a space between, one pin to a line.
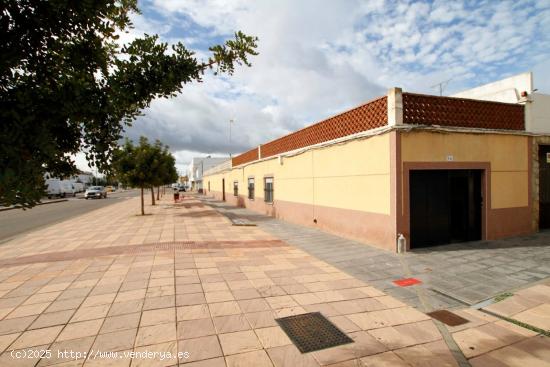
pixel 320 57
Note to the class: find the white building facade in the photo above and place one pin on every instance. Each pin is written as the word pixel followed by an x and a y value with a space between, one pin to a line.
pixel 198 166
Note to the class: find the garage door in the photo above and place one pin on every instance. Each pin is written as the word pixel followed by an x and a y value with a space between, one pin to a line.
pixel 544 187
pixel 445 206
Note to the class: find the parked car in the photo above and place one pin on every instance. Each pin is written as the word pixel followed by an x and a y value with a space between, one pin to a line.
pixel 95 192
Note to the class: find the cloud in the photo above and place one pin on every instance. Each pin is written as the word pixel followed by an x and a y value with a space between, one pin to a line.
pixel 318 58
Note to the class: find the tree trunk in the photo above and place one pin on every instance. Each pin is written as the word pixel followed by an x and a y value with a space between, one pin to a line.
pixel 158 192
pixel 142 206
pixel 152 196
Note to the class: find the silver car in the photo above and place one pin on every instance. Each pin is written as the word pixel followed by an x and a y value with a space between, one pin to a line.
pixel 95 192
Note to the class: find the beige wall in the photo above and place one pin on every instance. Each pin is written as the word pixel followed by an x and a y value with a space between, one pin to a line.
pixel 347 188
pixel 354 175
pixel 344 187
pixel 508 156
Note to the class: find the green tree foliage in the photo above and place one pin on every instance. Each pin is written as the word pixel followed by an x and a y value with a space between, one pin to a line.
pixel 144 165
pixel 67 86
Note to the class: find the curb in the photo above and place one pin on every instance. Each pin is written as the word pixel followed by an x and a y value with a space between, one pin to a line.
pixel 20 207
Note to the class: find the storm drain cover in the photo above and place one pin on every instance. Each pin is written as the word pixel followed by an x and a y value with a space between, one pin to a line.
pixel 447 317
pixel 312 331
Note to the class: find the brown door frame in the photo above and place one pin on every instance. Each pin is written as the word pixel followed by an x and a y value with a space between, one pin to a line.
pixel 538 155
pixel 485 167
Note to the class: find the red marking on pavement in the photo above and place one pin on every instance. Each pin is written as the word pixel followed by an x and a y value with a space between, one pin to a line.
pixel 406 282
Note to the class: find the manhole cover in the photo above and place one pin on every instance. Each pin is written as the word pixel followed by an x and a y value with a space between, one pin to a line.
pixel 312 331
pixel 447 317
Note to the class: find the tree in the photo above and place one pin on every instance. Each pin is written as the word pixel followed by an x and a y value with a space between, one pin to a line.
pixel 144 166
pixel 66 85
pixel 167 172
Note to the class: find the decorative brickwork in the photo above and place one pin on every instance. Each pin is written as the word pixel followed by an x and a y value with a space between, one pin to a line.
pixel 418 109
pixel 458 112
pixel 365 117
pixel 246 157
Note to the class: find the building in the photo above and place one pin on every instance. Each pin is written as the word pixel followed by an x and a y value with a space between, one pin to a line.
pixel 83 177
pixel 184 180
pixel 199 165
pixel 435 169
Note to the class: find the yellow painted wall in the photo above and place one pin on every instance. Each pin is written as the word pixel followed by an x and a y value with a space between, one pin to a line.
pixel 353 175
pixel 507 154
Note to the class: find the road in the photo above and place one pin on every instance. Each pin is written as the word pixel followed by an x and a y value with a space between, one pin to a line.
pixel 18 221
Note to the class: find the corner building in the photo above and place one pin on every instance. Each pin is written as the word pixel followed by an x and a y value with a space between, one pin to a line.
pixel 436 169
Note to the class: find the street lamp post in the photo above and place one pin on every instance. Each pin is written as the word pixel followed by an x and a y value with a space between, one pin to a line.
pixel 231 121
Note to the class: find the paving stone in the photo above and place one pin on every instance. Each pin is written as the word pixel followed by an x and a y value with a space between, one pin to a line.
pixel 239 342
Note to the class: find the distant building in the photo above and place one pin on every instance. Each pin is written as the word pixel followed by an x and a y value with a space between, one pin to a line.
pixel 198 166
pixel 437 170
pixel 82 177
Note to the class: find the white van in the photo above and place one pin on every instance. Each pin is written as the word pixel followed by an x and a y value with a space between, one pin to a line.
pixel 78 186
pixel 60 188
pixel 67 188
pixel 53 187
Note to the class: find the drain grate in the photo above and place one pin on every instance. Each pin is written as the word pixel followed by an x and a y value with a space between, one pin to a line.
pixel 312 331
pixel 447 317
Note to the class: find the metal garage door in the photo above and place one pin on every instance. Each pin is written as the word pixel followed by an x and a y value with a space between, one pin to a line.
pixel 445 206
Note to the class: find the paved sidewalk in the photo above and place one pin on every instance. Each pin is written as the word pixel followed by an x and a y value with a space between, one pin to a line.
pixel 453 276
pixel 497 341
pixel 183 287
pixel 530 306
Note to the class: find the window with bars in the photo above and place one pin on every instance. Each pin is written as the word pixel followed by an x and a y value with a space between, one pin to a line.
pixel 251 188
pixel 235 188
pixel 268 189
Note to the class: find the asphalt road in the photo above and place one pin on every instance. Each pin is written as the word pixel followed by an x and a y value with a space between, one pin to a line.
pixel 17 221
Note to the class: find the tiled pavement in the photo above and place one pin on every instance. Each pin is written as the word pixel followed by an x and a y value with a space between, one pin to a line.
pixel 216 303
pixel 120 225
pixel 530 305
pixel 453 275
pixel 498 340
pixel 489 341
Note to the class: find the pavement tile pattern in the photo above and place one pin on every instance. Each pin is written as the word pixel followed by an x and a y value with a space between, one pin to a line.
pixel 214 305
pixel 490 341
pixel 530 306
pixel 210 305
pixel 454 275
